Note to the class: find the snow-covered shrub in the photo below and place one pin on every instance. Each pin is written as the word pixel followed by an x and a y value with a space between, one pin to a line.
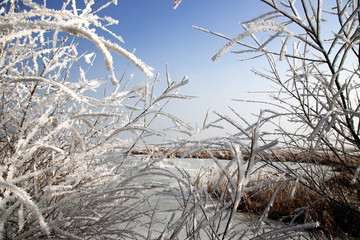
pixel 211 197
pixel 62 149
pixel 312 48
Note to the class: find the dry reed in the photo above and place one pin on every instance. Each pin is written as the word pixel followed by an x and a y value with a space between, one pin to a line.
pixel 304 205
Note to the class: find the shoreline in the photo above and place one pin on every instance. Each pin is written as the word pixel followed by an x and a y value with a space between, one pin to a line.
pixel 322 158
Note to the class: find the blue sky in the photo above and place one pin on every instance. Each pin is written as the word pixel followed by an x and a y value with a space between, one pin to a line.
pixel 162 35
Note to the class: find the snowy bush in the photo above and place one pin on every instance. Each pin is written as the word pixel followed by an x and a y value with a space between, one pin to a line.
pixel 62 150
pixel 312 48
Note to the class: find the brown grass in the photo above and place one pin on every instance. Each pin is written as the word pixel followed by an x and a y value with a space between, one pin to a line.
pixel 323 158
pixel 337 213
pixel 219 154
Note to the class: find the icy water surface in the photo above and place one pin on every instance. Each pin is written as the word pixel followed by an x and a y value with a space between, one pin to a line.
pixel 167 200
pixel 166 195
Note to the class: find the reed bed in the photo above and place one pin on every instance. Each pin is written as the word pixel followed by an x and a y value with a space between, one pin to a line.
pixel 294 202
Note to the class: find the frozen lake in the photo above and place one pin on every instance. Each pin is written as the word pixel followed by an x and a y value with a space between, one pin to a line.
pixel 166 192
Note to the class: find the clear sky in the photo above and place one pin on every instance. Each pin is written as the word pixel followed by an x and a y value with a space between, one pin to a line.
pixel 162 35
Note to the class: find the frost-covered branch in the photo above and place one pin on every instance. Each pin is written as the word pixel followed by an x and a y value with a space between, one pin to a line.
pixel 66 164
pixel 312 48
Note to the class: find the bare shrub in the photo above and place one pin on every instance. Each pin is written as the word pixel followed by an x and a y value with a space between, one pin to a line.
pixel 312 48
pixel 63 152
pixel 225 189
